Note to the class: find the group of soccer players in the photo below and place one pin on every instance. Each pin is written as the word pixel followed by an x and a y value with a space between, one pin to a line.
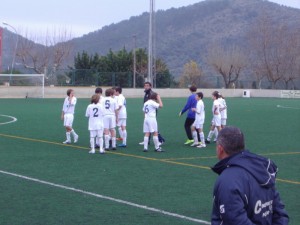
pixel 196 117
pixel 104 113
pixel 107 112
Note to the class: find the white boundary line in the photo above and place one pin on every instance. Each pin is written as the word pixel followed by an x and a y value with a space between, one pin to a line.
pixel 14 119
pixel 106 198
pixel 286 107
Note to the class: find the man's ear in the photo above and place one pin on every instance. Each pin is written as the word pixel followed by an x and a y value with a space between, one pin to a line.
pixel 220 152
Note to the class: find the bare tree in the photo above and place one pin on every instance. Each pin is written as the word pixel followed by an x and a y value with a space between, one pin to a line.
pixel 275 51
pixel 46 56
pixel 228 62
pixel 191 75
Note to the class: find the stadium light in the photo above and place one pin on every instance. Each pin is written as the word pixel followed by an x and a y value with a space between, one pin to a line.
pixel 16 46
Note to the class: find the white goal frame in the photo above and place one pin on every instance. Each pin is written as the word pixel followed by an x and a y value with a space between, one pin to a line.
pixel 28 75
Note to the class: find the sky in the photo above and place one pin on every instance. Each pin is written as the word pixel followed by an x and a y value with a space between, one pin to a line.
pixel 36 17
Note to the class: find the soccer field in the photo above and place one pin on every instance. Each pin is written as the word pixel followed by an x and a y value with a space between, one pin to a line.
pixel 46 182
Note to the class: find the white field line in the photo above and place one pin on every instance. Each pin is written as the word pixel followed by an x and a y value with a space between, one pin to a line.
pixel 107 198
pixel 286 107
pixel 14 119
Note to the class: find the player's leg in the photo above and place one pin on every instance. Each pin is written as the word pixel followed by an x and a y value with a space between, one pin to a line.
pixel 92 141
pixel 195 136
pixel 187 126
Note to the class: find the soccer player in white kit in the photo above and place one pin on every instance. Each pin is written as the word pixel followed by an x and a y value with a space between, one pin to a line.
pixel 110 118
pixel 223 111
pixel 122 116
pixel 216 121
pixel 67 115
pixel 199 121
pixel 150 122
pixel 94 112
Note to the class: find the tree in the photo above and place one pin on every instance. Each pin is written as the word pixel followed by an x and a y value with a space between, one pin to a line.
pixel 228 62
pixel 276 49
pixel 46 57
pixel 116 68
pixel 191 75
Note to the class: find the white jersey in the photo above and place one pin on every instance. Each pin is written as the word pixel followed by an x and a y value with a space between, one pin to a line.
pixel 109 106
pixel 95 114
pixel 216 108
pixel 223 108
pixel 200 112
pixel 149 108
pixel 69 105
pixel 122 103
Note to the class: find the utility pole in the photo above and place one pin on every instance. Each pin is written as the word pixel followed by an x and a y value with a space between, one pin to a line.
pixel 134 60
pixel 150 44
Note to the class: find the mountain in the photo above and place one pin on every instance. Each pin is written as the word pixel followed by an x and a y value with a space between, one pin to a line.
pixel 186 33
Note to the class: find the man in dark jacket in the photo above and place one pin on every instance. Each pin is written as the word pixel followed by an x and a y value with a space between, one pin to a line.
pixel 245 192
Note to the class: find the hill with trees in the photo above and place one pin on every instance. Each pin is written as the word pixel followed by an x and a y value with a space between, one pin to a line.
pixel 202 32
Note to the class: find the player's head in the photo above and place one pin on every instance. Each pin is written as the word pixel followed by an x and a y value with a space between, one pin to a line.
pixel 147 85
pixel 215 94
pixel 109 92
pixel 95 99
pixel 193 88
pixel 200 95
pixel 153 96
pixel 231 139
pixel 119 90
pixel 69 91
pixel 98 91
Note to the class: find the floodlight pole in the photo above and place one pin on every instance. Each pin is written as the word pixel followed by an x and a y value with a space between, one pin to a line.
pixel 16 46
pixel 134 60
pixel 150 44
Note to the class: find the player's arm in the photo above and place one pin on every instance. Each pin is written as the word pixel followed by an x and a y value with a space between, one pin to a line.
pixel 62 115
pixel 159 101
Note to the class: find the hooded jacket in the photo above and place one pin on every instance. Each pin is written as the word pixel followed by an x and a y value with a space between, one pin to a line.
pixel 245 193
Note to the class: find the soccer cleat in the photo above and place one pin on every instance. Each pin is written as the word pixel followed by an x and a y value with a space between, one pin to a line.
pixel 207 141
pixel 66 142
pixel 189 141
pixel 106 149
pixel 97 146
pixel 195 144
pixel 101 151
pixel 114 149
pixel 92 151
pixel 159 149
pixel 122 145
pixel 145 150
pixel 141 143
pixel 76 138
pixel 201 146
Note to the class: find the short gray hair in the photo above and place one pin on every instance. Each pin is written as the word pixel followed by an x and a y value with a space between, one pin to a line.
pixel 231 139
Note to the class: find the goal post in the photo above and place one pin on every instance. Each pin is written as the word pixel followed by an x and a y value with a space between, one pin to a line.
pixel 33 85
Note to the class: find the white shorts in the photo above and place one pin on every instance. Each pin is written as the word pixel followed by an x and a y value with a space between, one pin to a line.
pixel 223 121
pixel 96 133
pixel 197 125
pixel 122 122
pixel 216 121
pixel 109 121
pixel 68 120
pixel 150 125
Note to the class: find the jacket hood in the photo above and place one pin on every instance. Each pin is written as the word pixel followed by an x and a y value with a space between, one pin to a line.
pixel 262 169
